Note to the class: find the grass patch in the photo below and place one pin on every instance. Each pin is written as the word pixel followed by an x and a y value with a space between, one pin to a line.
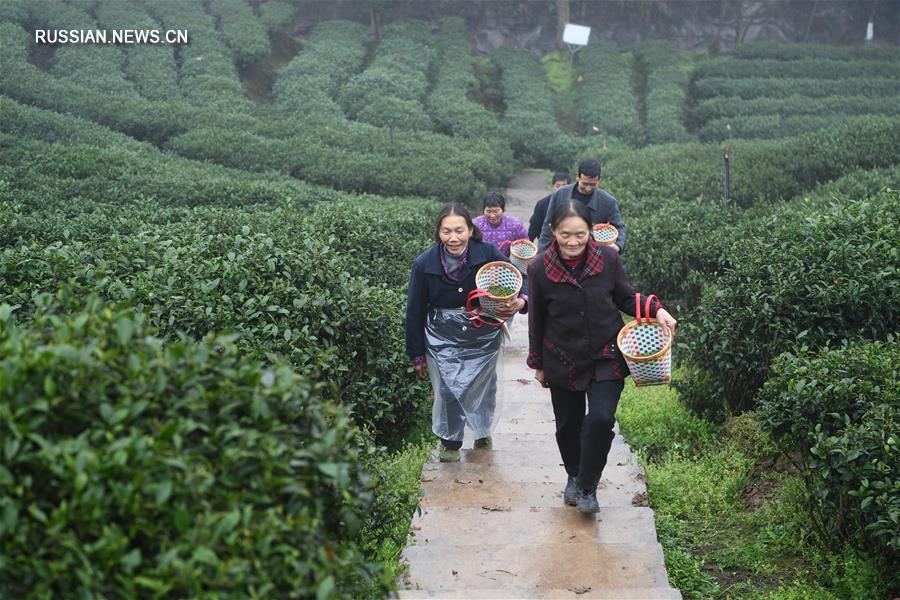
pixel 561 77
pixel 731 518
pixel 397 493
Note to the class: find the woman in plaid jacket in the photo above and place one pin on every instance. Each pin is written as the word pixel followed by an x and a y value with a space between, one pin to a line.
pixel 577 287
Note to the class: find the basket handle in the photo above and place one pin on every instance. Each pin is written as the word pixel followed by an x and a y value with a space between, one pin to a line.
pixel 503 246
pixel 475 317
pixel 637 307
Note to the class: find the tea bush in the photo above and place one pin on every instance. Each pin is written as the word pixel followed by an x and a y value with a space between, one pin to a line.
pixel 795 69
pixel 822 274
pixel 665 70
pixel 757 87
pixel 838 408
pixel 728 107
pixel 791 52
pixel 137 468
pixel 241 30
pixel 604 98
pixel 530 118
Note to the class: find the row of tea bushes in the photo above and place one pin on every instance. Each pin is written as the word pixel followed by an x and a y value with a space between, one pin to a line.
pixel 795 69
pixel 98 67
pixel 448 102
pixel 241 31
pixel 791 52
pixel 728 107
pixel 605 101
pixel 206 75
pixel 665 70
pixel 530 119
pixel 390 91
pixel 762 87
pixel 751 127
pixel 151 68
pixel 276 15
pixel 205 472
pixel 824 271
pixel 308 85
pixel 836 409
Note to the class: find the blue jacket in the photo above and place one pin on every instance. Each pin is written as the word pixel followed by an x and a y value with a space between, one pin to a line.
pixel 429 288
pixel 604 209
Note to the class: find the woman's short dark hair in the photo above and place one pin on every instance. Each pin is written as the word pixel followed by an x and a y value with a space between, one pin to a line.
pixel 455 208
pixel 494 199
pixel 572 208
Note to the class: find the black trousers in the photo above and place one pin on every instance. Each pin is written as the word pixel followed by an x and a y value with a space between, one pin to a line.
pixel 584 440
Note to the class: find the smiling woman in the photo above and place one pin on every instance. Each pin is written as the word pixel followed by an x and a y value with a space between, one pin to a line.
pixel 497 227
pixel 459 356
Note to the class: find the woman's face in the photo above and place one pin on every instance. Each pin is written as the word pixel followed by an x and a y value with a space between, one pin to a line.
pixel 572 235
pixel 454 234
pixel 494 214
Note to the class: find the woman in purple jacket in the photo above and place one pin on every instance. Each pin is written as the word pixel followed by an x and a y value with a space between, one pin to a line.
pixel 576 289
pixel 497 227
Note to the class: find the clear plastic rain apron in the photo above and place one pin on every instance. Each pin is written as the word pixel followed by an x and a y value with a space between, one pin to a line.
pixel 462 363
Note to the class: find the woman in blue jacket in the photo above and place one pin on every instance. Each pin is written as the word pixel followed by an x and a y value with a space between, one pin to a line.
pixel 441 341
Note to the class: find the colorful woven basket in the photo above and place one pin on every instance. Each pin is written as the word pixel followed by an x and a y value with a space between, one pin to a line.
pixel 605 233
pixel 647 347
pixel 490 277
pixel 521 252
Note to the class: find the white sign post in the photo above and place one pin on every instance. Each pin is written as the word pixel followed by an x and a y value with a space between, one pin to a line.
pixel 575 36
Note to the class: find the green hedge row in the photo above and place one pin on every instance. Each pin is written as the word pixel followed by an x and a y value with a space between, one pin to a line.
pixel 207 74
pixel 817 68
pixel 670 196
pixel 133 467
pixel 241 31
pixel 530 119
pixel 150 67
pixel 95 66
pixel 761 170
pixel 764 87
pixel 287 287
pixel 766 126
pixel 448 102
pixel 665 70
pixel 730 107
pixel 817 275
pixel 390 92
pixel 776 51
pixel 837 410
pixel 276 15
pixel 308 85
pixel 605 101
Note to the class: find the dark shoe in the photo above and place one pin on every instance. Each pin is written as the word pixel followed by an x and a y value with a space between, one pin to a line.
pixel 485 443
pixel 587 501
pixel 570 494
pixel 448 455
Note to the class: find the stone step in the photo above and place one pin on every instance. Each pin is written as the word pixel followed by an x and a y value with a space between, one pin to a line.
pixel 520 593
pixel 539 566
pixel 537 525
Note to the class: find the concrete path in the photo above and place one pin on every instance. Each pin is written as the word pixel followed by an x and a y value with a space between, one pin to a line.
pixel 494 525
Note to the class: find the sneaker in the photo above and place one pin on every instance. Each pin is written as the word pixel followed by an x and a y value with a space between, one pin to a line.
pixel 570 494
pixel 587 501
pixel 448 455
pixel 485 443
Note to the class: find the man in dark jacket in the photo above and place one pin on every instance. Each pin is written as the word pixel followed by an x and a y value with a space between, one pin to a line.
pixel 560 178
pixel 603 206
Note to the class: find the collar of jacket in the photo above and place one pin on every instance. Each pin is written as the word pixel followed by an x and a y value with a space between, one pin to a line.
pixel 558 273
pixel 597 196
pixel 477 256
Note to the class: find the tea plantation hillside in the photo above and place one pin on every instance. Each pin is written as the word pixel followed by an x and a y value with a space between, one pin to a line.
pixel 205 248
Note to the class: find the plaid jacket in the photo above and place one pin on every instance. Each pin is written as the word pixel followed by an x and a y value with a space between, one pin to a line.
pixel 572 324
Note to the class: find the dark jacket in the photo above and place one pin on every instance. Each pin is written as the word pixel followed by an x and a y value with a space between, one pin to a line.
pixel 603 206
pixel 429 287
pixel 572 325
pixel 538 217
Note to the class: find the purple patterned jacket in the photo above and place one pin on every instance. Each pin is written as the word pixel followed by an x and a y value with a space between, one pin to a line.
pixel 510 228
